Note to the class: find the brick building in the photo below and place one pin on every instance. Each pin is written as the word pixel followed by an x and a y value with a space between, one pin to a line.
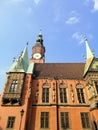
pixel 50 96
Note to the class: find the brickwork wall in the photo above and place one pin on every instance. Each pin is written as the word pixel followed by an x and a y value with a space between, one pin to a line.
pixel 6 111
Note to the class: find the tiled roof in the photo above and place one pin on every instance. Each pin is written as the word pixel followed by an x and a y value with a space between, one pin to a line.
pixel 59 70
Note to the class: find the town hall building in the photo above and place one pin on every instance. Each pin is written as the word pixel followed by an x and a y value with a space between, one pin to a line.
pixel 50 96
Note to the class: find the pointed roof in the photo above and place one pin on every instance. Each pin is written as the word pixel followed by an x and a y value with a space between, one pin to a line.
pixel 24 58
pixel 89 52
pixel 89 57
pixel 22 63
pixel 39 40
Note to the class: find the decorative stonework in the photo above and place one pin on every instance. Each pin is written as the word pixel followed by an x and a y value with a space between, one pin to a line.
pixel 94 105
pixel 72 93
pixel 53 92
pixel 91 80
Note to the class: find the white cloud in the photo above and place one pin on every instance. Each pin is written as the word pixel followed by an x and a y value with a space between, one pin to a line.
pixel 73 20
pixel 95 5
pixel 79 37
pixel 37 1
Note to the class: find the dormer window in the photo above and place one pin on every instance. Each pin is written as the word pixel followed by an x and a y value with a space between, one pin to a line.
pixel 13 88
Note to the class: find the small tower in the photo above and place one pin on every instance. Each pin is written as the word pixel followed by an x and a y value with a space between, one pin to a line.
pixel 38 50
pixel 15 79
pixel 91 77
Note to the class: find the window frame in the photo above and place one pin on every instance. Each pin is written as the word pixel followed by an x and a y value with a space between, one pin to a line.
pixel 14 86
pixel 85 120
pixel 64 117
pixel 44 120
pixel 45 93
pixel 63 93
pixel 10 122
pixel 80 94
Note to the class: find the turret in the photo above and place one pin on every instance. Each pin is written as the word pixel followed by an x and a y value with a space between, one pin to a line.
pixel 38 50
pixel 15 79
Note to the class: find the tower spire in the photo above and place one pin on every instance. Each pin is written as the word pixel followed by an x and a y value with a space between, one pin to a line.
pixel 89 56
pixel 89 53
pixel 21 64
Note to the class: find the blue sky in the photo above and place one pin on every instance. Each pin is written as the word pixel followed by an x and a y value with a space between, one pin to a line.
pixel 63 24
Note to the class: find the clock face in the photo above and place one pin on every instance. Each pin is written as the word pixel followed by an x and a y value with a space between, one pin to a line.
pixel 37 56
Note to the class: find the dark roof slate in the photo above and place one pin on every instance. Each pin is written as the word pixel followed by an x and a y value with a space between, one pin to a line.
pixel 59 70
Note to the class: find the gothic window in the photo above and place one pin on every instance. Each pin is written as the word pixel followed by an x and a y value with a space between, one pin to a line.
pixel 45 95
pixel 80 95
pixel 85 119
pixel 96 86
pixel 11 121
pixel 63 95
pixel 13 87
pixel 44 120
pixel 64 116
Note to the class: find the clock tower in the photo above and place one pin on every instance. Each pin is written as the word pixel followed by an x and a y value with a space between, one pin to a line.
pixel 38 50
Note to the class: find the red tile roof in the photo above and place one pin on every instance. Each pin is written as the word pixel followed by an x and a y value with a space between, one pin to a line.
pixel 59 70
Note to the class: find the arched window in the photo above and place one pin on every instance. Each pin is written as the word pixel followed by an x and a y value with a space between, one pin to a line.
pixel 63 94
pixel 80 94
